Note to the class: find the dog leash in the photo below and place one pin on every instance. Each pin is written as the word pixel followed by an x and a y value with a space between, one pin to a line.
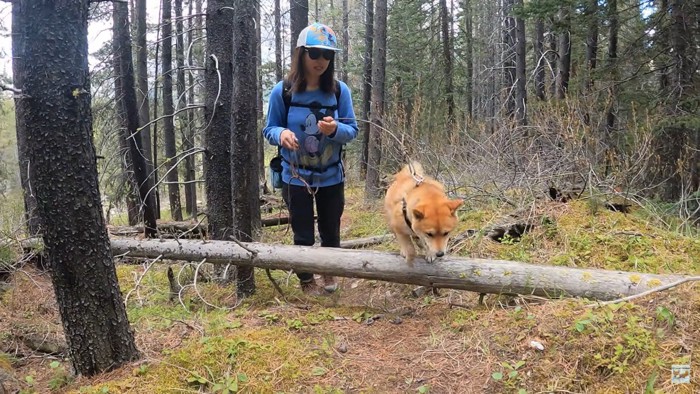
pixel 295 175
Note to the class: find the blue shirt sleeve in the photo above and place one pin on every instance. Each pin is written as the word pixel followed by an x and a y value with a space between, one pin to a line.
pixel 275 116
pixel 347 124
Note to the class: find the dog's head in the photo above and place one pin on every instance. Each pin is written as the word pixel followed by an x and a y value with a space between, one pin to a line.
pixel 434 223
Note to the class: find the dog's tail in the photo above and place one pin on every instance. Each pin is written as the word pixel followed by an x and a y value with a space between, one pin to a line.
pixel 414 168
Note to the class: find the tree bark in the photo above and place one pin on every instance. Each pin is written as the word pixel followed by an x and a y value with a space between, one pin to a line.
pixel 478 275
pixel 299 19
pixel 142 82
pixel 129 110
pixel 372 188
pixel 168 113
pixel 63 172
pixel 469 37
pixel 346 42
pixel 278 42
pixel 564 63
pixel 245 139
pixel 539 60
pixel 184 125
pixel 217 114
pixel 509 71
pixel 367 84
pixel 31 213
pixel 447 51
pixel 520 72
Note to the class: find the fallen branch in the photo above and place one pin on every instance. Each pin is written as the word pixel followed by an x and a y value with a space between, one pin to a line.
pixel 477 275
pixel 646 293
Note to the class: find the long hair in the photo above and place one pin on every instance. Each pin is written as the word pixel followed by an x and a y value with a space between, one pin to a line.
pixel 298 79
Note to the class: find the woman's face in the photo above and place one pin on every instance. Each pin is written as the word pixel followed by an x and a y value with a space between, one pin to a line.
pixel 316 61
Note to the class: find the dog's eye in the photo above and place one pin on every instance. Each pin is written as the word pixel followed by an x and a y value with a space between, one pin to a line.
pixel 431 234
pixel 445 233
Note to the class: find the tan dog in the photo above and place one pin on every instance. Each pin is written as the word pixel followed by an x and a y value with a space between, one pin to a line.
pixel 416 205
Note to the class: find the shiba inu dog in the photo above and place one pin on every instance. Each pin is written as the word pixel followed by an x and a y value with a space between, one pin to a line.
pixel 417 206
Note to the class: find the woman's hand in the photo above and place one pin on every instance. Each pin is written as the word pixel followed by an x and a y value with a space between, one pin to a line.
pixel 327 125
pixel 289 140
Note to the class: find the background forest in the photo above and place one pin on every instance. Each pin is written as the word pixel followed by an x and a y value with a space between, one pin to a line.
pixel 577 120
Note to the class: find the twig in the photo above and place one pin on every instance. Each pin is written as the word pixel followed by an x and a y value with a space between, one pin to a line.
pixel 645 293
pixel 274 283
pixel 139 279
pixel 196 290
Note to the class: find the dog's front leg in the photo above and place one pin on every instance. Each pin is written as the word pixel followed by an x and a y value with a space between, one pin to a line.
pixel 408 251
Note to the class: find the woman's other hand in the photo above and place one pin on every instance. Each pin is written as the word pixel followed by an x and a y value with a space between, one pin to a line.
pixel 289 140
pixel 327 125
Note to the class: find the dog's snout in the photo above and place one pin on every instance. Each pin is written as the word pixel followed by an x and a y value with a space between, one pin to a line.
pixel 439 254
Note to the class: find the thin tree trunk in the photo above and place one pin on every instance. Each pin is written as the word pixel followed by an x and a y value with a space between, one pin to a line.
pixel 64 176
pixel 168 110
pixel 372 187
pixel 564 63
pixel 509 57
pixel 367 84
pixel 468 31
pixel 184 118
pixel 142 80
pixel 278 42
pixel 520 72
pixel 447 50
pixel 591 13
pixel 299 19
pixel 190 162
pixel 539 60
pixel 129 109
pixel 31 214
pixel 154 149
pixel 245 139
pixel 346 42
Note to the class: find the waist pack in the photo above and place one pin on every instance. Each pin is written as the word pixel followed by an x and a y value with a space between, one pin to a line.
pixel 276 172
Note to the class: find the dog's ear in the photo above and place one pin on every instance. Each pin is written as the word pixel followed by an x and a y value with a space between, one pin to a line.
pixel 454 204
pixel 418 214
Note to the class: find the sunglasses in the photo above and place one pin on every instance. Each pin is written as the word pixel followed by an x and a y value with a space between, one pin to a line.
pixel 315 53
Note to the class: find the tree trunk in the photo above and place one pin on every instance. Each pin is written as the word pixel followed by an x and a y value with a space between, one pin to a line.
pixel 346 42
pixel 372 187
pixel 298 19
pixel 142 81
pixel 509 57
pixel 447 51
pixel 279 61
pixel 520 76
pixel 367 85
pixel 19 38
pixel 168 114
pixel 468 31
pixel 591 14
pixel 477 275
pixel 245 138
pixel 63 172
pixel 154 148
pixel 612 67
pixel 539 60
pixel 217 114
pixel 129 110
pixel 182 121
pixel 190 163
pixel 564 63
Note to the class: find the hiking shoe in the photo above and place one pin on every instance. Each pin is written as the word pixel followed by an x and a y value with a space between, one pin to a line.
pixel 329 283
pixel 310 288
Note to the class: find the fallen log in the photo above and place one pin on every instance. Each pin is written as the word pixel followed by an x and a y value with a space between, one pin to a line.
pixel 477 275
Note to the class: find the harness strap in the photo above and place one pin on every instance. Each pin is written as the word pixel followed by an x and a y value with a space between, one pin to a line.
pixel 405 214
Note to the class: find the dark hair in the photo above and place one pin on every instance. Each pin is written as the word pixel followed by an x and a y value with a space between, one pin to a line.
pixel 298 80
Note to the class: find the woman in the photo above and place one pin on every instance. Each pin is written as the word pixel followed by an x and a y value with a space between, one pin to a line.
pixel 310 116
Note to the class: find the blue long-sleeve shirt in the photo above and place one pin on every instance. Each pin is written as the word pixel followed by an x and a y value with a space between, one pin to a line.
pixel 317 160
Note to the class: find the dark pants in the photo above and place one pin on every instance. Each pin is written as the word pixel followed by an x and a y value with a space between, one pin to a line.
pixel 330 201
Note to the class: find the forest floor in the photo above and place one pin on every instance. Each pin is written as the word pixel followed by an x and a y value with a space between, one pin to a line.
pixel 378 337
